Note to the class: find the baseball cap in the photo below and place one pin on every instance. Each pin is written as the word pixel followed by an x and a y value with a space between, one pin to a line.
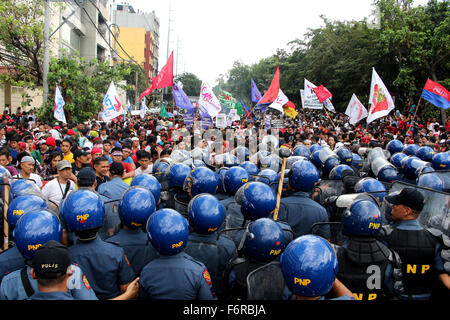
pixel 63 164
pixel 51 260
pixel 50 142
pixel 408 197
pixel 86 176
pixel 27 159
pixel 116 168
pixel 70 132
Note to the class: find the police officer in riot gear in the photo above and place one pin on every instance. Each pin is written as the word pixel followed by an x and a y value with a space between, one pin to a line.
pixel 174 275
pixel 419 250
pixel 205 215
pixel 366 266
pixel 135 207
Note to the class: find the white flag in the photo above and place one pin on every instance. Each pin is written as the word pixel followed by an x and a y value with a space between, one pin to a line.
pixel 112 108
pixel 380 100
pixel 309 97
pixel 279 102
pixel 355 110
pixel 143 109
pixel 208 102
pixel 327 104
pixel 58 111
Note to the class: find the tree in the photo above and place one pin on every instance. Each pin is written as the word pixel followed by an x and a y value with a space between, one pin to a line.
pixel 191 83
pixel 416 42
pixel 21 41
pixel 83 85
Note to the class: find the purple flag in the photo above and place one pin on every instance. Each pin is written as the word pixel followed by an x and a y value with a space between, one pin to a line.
pixel 256 95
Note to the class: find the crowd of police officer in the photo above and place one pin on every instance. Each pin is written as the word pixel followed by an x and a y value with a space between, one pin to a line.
pixel 371 225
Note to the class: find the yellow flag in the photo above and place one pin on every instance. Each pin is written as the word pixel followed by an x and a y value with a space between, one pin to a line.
pixel 291 112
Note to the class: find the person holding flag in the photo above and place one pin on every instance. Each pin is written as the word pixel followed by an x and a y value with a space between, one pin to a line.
pixel 58 112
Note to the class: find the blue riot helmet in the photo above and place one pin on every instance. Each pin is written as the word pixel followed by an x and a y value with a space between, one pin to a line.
pixel 303 176
pixel 291 160
pixel 345 155
pixel 265 240
pixel 176 174
pixel 329 164
pixel 357 161
pixel 257 200
pixel 315 147
pixel 242 153
pixel 362 218
pixel 395 146
pixel 319 157
pixel 267 176
pixel 22 205
pixel 411 149
pixel 425 153
pixel 136 206
pixel 83 210
pixel 336 172
pixel 205 213
pixel 149 182
pixel 234 178
pixel 441 161
pixel 20 187
pixel 309 266
pixel 201 180
pixel 251 168
pixel 431 181
pixel 303 151
pixel 388 174
pixel 373 186
pixel 412 167
pixel 272 161
pixel 168 231
pixel 34 229
pixel 161 165
pixel 220 175
pixel 396 159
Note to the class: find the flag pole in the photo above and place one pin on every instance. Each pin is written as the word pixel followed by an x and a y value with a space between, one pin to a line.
pixel 323 106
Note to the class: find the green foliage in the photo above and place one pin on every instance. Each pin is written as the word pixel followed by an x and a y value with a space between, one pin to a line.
pixel 191 83
pixel 83 85
pixel 410 45
pixel 21 41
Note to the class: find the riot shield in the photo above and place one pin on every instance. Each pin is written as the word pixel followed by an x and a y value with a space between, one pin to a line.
pixel 266 282
pixel 181 206
pixel 327 189
pixel 444 176
pixel 435 213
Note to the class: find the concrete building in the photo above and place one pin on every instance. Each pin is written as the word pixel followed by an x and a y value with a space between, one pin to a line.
pixel 138 34
pixel 86 30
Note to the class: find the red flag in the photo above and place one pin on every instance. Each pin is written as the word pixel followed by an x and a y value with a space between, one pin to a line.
pixel 322 93
pixel 162 80
pixel 272 93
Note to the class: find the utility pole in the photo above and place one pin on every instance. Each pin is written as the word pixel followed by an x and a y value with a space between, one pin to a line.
pixel 166 90
pixel 46 51
pixel 178 51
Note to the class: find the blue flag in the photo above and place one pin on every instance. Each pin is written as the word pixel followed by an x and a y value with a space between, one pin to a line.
pixel 188 119
pixel 181 99
pixel 206 121
pixel 256 95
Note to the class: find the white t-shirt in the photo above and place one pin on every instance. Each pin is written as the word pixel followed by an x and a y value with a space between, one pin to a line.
pixel 36 178
pixel 139 171
pixel 54 191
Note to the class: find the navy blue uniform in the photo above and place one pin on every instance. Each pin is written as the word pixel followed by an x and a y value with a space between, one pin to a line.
pixel 215 254
pixel 301 213
pixel 105 265
pixel 78 286
pixel 137 247
pixel 177 277
pixel 58 295
pixel 10 260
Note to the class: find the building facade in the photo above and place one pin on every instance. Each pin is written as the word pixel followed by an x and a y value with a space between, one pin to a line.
pixel 138 34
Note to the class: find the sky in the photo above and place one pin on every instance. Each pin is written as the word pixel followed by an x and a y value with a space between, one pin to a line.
pixel 208 36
